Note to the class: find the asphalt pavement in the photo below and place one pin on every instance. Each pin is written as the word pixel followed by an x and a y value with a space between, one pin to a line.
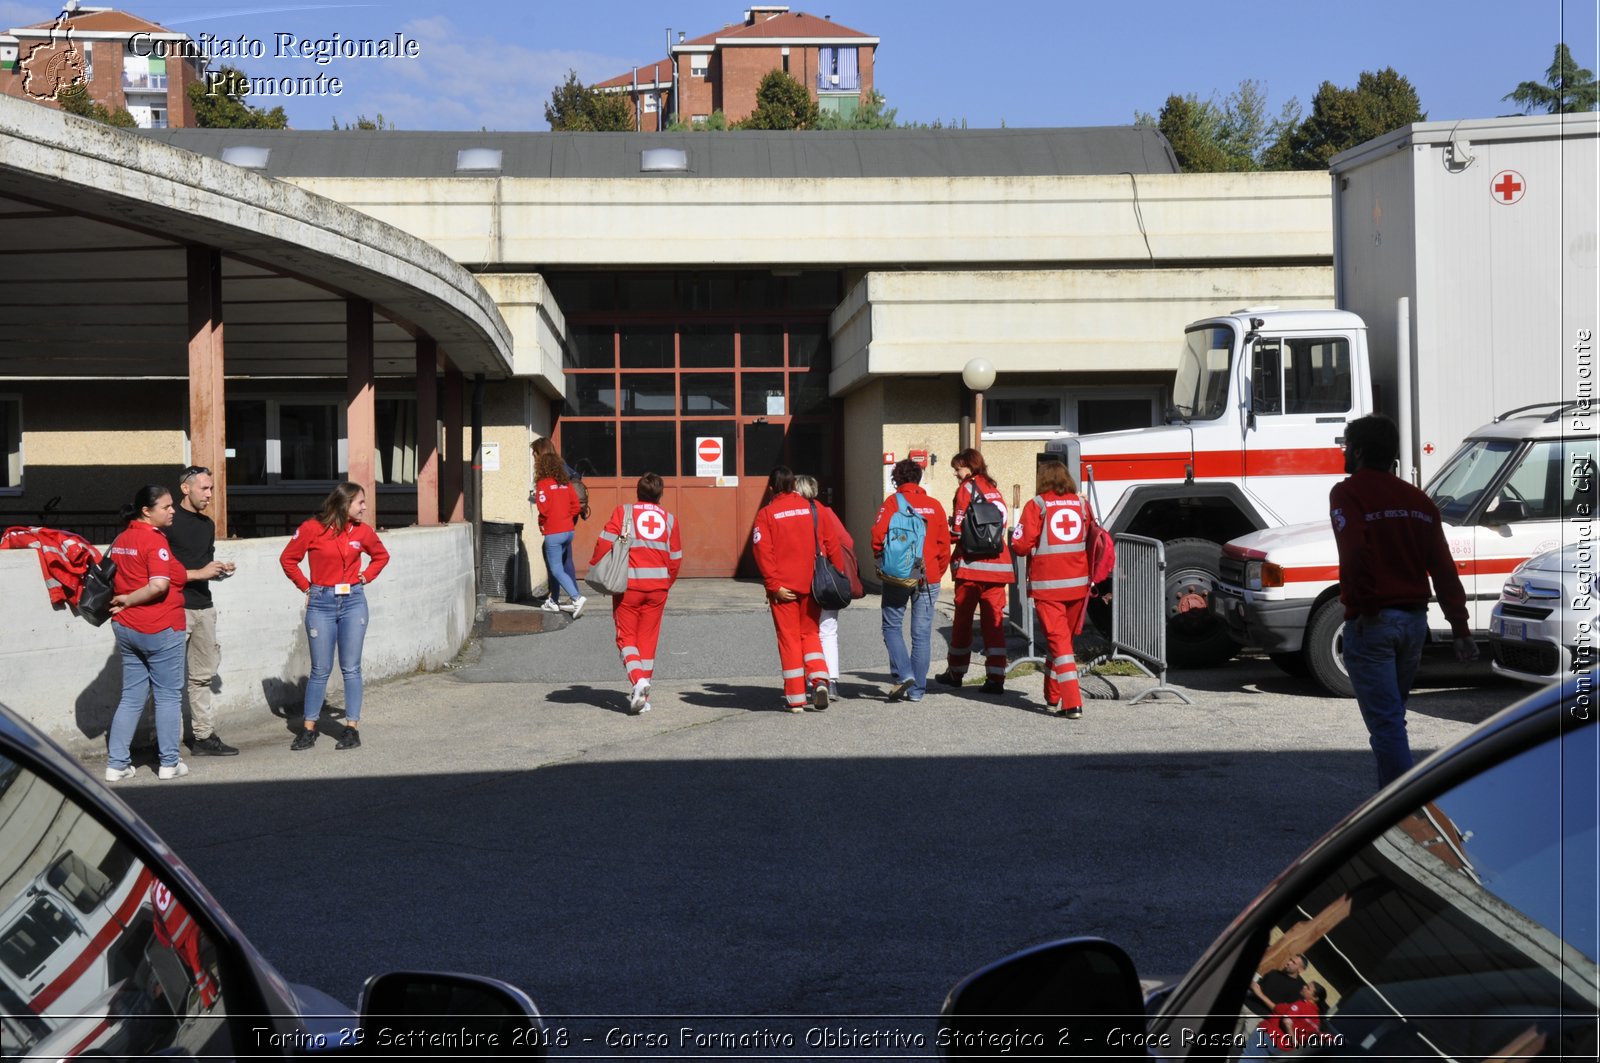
pixel 717 856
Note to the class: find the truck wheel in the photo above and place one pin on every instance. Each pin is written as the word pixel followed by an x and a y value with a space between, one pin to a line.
pixel 1294 663
pixel 1196 637
pixel 1325 649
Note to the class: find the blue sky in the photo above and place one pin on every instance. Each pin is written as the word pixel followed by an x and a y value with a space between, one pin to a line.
pixel 494 62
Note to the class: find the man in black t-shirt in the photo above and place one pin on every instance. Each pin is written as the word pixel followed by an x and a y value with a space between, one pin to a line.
pixel 1281 986
pixel 194 538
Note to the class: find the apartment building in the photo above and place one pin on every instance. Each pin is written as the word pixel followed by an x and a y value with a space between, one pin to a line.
pixel 123 60
pixel 721 71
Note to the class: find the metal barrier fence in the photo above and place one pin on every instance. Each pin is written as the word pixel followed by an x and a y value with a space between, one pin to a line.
pixel 1138 615
pixel 1139 611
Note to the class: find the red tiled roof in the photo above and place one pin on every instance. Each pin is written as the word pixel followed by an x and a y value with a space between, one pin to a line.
pixel 659 71
pixel 791 24
pixel 106 22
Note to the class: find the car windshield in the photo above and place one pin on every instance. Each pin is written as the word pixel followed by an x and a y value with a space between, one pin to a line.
pixel 1200 391
pixel 1462 482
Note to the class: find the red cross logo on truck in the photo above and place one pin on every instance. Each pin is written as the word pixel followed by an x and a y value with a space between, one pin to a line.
pixel 1507 186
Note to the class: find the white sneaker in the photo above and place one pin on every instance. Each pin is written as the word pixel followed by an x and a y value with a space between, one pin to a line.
pixel 118 774
pixel 644 708
pixel 577 606
pixel 174 771
pixel 550 606
pixel 639 697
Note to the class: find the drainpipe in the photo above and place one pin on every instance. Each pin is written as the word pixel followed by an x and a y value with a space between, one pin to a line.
pixel 476 496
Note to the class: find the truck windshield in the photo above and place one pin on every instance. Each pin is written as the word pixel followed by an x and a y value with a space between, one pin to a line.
pixel 1200 392
pixel 1462 482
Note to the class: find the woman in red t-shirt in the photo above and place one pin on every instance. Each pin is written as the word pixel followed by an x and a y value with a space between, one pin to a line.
pixel 559 508
pixel 147 610
pixel 336 602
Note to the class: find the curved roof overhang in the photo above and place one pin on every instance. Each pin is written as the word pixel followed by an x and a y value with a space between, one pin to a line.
pixel 95 229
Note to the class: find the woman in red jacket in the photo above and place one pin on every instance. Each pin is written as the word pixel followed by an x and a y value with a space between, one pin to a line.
pixel 147 611
pixel 1054 532
pixel 785 542
pixel 558 521
pixel 981 582
pixel 655 554
pixel 336 602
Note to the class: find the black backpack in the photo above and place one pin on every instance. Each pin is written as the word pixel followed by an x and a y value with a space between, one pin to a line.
pixel 983 528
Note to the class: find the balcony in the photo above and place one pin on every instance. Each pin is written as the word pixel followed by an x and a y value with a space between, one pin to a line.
pixel 839 82
pixel 144 83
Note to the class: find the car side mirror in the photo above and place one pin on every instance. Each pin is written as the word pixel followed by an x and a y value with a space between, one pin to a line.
pixel 1507 511
pixel 429 1013
pixel 1068 998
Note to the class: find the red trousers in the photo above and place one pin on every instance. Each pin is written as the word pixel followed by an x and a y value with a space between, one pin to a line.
pixel 1060 620
pixel 638 618
pixel 799 647
pixel 991 597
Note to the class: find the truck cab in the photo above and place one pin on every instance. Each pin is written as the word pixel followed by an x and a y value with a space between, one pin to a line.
pixel 1252 440
pixel 1512 490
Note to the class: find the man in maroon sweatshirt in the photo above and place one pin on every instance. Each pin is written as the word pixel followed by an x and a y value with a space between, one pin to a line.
pixel 1391 540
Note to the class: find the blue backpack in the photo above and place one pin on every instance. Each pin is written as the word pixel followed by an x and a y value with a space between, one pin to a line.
pixel 901 563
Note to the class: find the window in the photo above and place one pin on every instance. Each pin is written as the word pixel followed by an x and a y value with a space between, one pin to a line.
pixel 1022 413
pixel 837 70
pixel 10 445
pixel 1200 389
pixel 699 119
pixel 302 440
pixel 698 65
pixel 1300 376
pixel 648 101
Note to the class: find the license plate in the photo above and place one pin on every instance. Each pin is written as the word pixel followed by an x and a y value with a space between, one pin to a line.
pixel 1512 629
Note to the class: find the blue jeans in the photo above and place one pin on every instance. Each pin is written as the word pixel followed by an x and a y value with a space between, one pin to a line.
pixel 1381 654
pixel 915 665
pixel 148 661
pixel 335 621
pixel 558 559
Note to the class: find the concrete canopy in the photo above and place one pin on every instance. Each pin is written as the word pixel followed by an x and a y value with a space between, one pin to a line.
pixel 94 229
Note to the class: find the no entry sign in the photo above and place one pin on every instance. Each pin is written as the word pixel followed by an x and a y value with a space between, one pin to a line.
pixel 707 456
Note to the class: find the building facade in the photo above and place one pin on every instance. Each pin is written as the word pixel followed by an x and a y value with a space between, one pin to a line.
pixel 125 62
pixel 721 71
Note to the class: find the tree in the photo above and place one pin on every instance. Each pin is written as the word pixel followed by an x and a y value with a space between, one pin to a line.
pixel 363 122
pixel 1571 88
pixel 782 103
pixel 1342 118
pixel 74 99
pixel 578 108
pixel 218 101
pixel 1234 136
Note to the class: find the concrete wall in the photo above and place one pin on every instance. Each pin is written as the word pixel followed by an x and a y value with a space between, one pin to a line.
pixel 65 676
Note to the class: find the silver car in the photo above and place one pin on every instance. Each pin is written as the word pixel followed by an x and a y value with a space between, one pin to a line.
pixel 1543 626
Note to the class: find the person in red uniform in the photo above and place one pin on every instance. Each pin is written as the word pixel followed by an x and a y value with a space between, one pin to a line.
pixel 1293 1025
pixel 336 602
pixel 1054 533
pixel 559 508
pixel 147 610
pixel 654 557
pixel 785 542
pixel 911 669
pixel 1391 541
pixel 980 582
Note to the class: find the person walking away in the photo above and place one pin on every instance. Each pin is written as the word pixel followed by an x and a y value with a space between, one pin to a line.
pixel 1391 542
pixel 828 619
pixel 336 602
pixel 539 447
pixel 558 520
pixel 785 544
pixel 147 610
pixel 982 569
pixel 911 575
pixel 1054 533
pixel 194 540
pixel 654 556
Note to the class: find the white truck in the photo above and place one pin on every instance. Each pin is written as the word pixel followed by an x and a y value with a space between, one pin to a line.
pixel 1485 230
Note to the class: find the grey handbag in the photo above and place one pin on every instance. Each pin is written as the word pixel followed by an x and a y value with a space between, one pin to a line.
pixel 610 574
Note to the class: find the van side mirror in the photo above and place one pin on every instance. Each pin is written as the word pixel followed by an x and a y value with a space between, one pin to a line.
pixel 429 1013
pixel 1506 510
pixel 1061 999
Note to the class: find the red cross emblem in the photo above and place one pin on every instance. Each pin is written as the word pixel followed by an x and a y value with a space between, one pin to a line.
pixel 1065 526
pixel 650 525
pixel 1507 186
pixel 1427 448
